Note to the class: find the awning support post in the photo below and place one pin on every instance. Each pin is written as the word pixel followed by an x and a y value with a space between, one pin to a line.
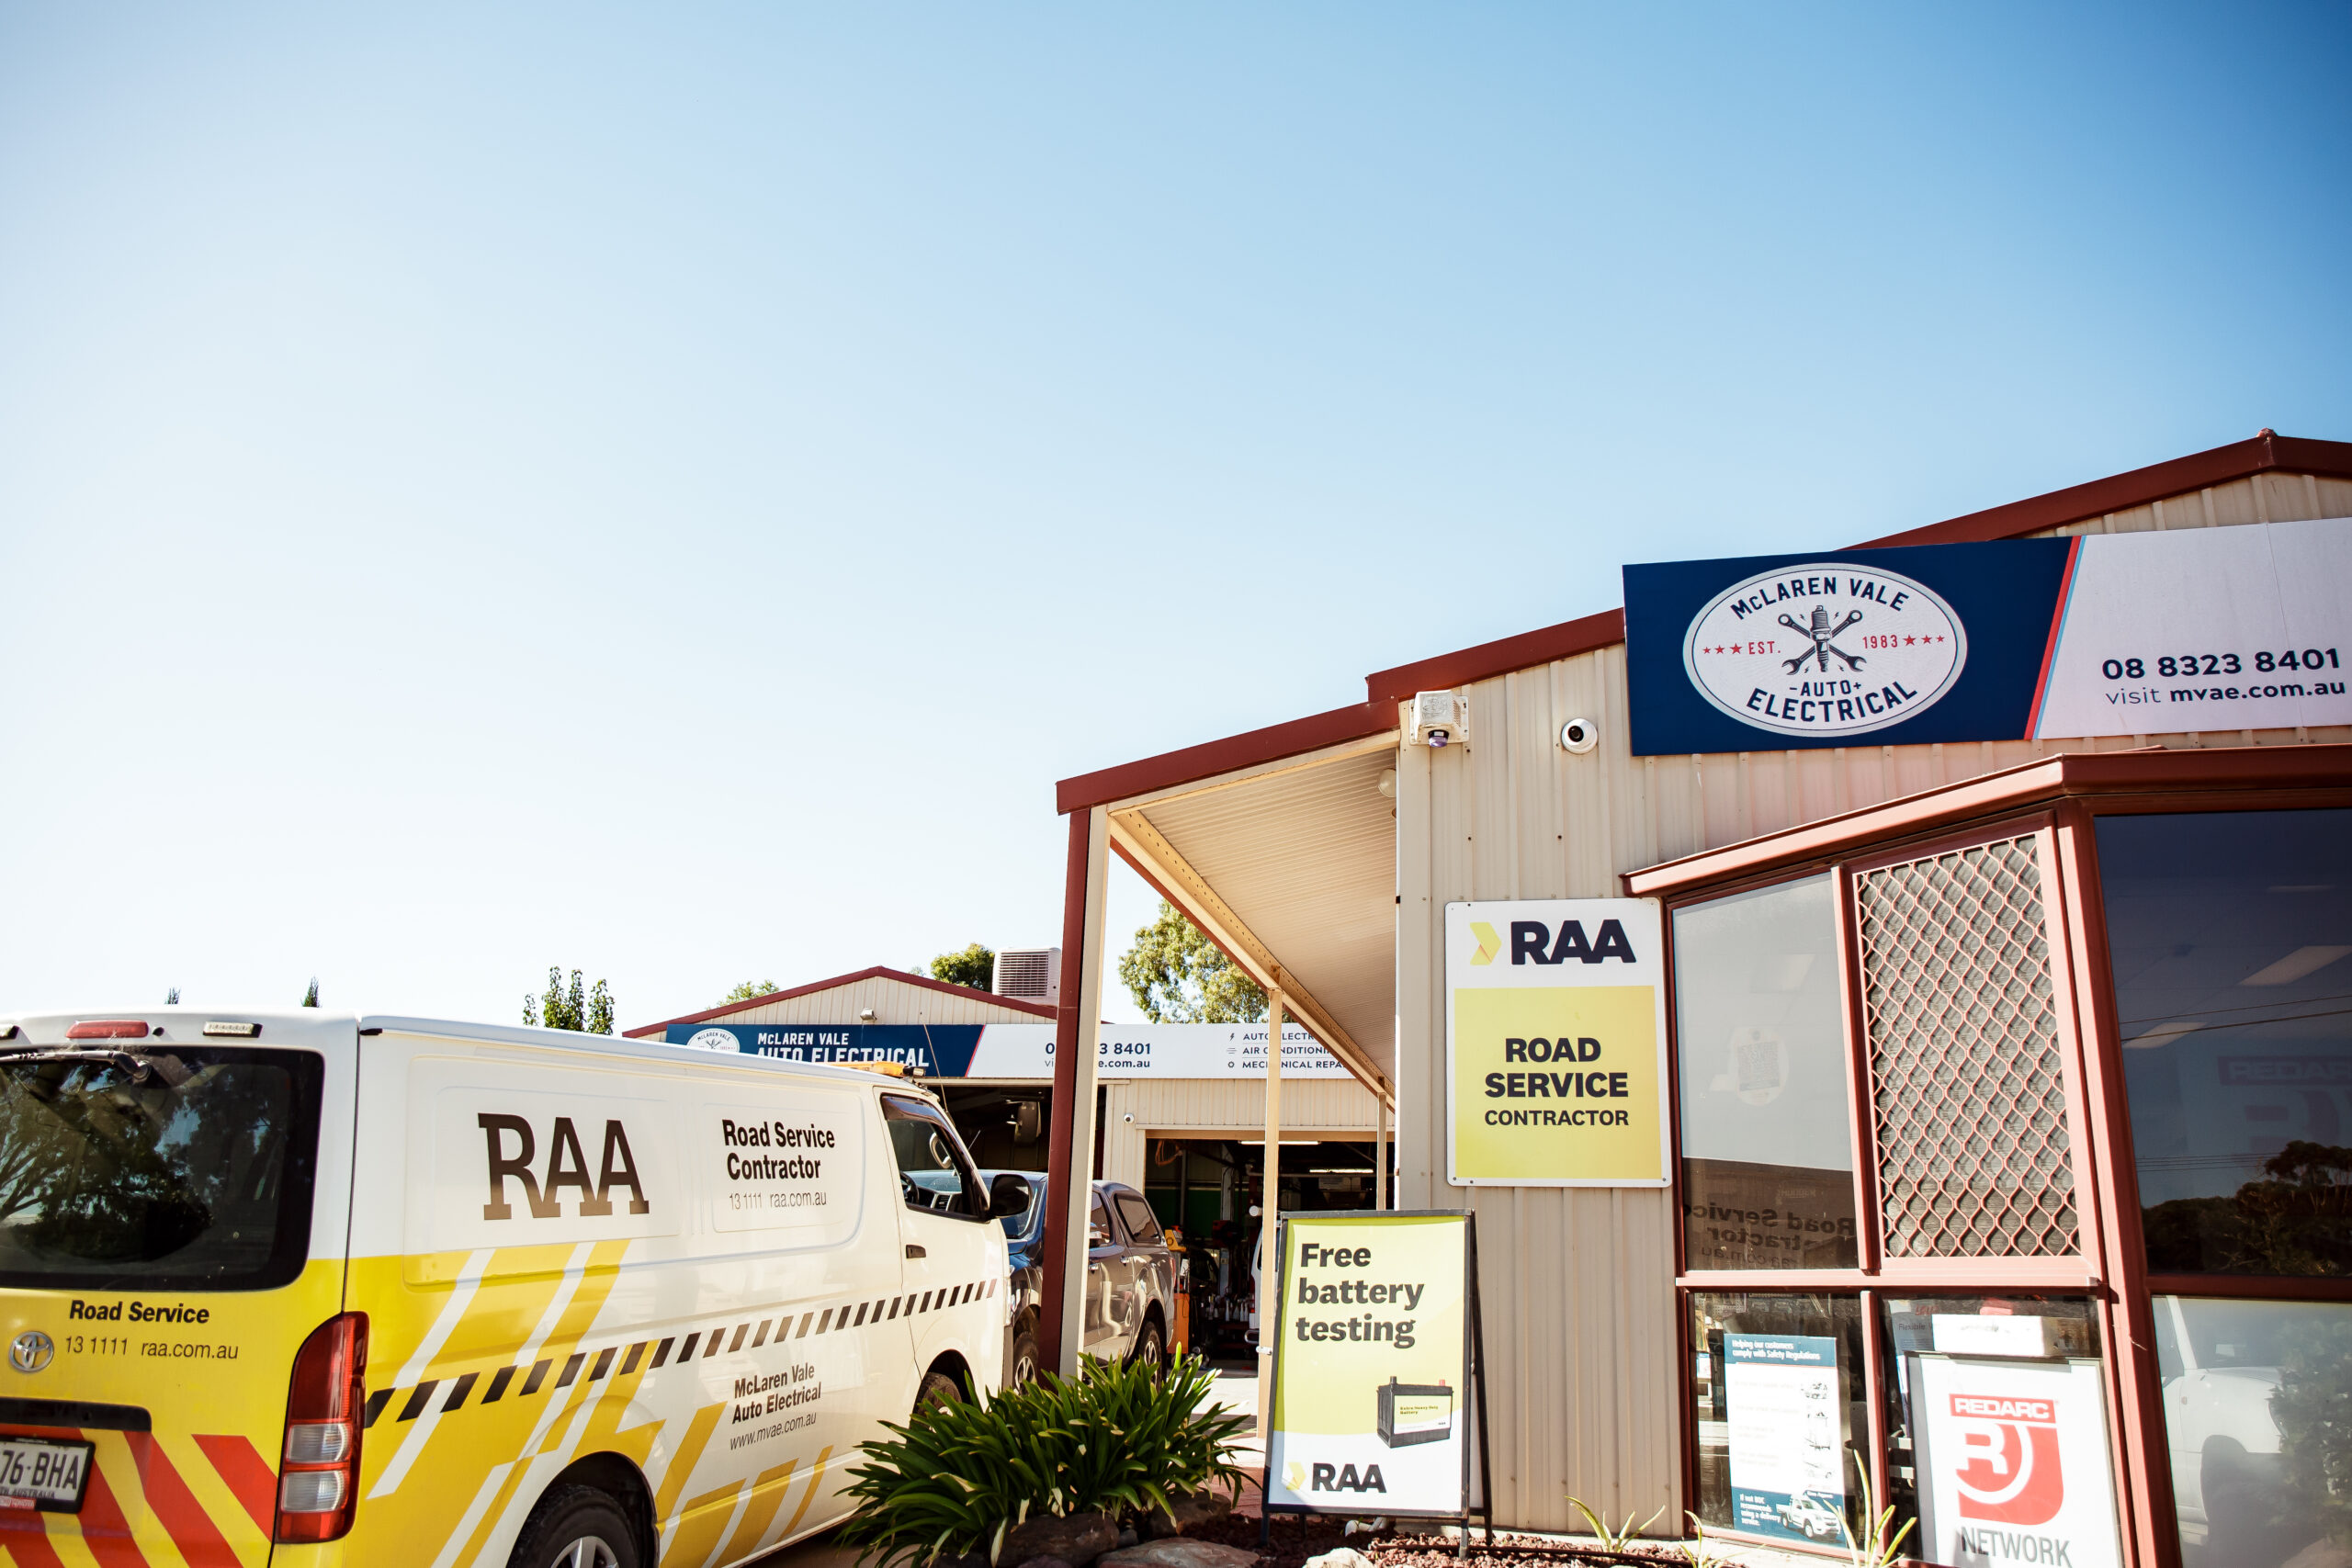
pixel 1268 1209
pixel 1070 1156
pixel 1379 1151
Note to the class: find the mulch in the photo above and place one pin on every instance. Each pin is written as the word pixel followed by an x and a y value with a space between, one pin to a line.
pixel 1294 1538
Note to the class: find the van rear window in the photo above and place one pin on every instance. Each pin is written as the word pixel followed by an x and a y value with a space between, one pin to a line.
pixel 180 1169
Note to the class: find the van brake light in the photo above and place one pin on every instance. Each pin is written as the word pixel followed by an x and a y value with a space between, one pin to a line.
pixel 318 1486
pixel 108 1029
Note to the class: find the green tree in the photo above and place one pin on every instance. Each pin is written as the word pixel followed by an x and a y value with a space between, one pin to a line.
pixel 746 990
pixel 1177 976
pixel 974 966
pixel 311 997
pixel 574 1007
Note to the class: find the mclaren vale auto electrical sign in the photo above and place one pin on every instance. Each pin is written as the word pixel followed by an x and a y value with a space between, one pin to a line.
pixel 2231 629
pixel 1019 1051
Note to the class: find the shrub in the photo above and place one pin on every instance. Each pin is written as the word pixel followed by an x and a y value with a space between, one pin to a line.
pixel 961 1474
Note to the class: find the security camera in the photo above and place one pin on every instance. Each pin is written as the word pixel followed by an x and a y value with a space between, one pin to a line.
pixel 1579 735
pixel 1131 1116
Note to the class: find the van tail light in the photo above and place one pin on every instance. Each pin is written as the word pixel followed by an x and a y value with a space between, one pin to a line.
pixel 108 1029
pixel 318 1486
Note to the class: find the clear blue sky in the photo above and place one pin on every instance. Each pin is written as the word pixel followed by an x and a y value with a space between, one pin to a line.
pixel 668 490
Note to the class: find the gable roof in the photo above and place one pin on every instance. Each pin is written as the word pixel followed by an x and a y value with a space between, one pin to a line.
pixel 1385 688
pixel 879 972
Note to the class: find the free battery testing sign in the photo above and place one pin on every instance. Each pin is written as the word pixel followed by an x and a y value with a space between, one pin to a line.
pixel 1555 1044
pixel 1372 1370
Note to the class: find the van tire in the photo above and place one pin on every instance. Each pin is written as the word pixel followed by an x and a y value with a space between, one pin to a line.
pixel 937 1388
pixel 1026 1367
pixel 1151 1347
pixel 577 1527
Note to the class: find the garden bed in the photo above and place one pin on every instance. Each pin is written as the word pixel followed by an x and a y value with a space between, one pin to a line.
pixel 1294 1538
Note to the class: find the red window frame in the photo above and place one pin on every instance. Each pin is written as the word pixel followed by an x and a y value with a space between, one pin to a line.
pixel 2056 800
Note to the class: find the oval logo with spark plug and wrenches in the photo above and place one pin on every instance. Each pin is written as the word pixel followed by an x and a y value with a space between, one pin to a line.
pixel 1827 648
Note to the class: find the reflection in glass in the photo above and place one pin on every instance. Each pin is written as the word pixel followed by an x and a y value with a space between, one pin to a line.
pixel 2230 933
pixel 1778 1391
pixel 2256 1395
pixel 1768 1169
pixel 185 1169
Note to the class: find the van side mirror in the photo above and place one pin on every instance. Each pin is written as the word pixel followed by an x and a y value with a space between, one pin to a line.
pixel 1009 1195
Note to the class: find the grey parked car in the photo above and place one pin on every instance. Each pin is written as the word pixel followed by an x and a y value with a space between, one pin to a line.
pixel 1130 1279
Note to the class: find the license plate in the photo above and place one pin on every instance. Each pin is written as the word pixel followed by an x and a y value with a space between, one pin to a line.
pixel 37 1472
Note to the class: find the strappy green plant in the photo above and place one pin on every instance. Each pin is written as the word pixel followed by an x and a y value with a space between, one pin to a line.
pixel 962 1474
pixel 1699 1551
pixel 1624 1535
pixel 1877 1550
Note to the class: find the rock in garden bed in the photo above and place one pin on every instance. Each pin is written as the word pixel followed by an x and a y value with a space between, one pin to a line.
pixel 1189 1514
pixel 1076 1539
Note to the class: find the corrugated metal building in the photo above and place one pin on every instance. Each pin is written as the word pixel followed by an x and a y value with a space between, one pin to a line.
pixel 1321 853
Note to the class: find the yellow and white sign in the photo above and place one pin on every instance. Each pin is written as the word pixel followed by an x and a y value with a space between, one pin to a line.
pixel 1555 1044
pixel 1372 1411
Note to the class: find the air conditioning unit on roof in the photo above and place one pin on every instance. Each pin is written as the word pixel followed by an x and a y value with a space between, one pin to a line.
pixel 1029 975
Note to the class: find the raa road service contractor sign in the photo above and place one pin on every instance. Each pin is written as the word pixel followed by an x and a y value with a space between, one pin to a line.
pixel 1372 1365
pixel 1555 1044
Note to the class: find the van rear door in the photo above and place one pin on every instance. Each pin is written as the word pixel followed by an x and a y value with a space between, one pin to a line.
pixel 172 1227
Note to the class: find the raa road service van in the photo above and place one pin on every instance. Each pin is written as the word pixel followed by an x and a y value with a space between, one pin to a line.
pixel 305 1291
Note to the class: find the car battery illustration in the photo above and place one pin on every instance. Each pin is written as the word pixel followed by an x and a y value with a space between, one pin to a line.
pixel 1414 1412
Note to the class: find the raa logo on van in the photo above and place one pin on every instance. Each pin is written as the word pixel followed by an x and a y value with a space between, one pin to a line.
pixel 567 1167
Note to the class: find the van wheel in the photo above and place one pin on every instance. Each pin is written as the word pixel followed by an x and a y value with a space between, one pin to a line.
pixel 1151 1347
pixel 938 1388
pixel 576 1527
pixel 1026 1365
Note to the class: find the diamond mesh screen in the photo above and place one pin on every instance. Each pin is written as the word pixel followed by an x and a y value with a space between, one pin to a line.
pixel 1971 1112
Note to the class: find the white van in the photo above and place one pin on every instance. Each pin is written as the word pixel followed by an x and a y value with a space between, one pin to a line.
pixel 301 1290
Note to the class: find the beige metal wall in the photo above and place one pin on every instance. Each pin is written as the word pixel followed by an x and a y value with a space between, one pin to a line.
pixel 1224 1108
pixel 893 1001
pixel 1578 1285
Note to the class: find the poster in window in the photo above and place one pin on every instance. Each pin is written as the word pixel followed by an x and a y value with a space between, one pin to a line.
pixel 1787 1460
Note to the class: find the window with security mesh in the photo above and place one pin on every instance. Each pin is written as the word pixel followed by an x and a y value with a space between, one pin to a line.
pixel 1971 1102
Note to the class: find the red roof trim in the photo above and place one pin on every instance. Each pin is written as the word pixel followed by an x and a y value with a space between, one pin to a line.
pixel 1211 757
pixel 2119 493
pixel 2179 476
pixel 879 972
pixel 1523 652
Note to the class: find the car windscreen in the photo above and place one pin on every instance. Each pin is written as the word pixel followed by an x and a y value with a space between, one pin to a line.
pixel 190 1169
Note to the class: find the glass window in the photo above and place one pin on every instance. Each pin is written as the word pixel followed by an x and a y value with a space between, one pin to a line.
pixel 935 1173
pixel 2044 1329
pixel 1768 1165
pixel 1143 1226
pixel 186 1169
pixel 2255 1396
pixel 1779 1388
pixel 1098 1225
pixel 2229 934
